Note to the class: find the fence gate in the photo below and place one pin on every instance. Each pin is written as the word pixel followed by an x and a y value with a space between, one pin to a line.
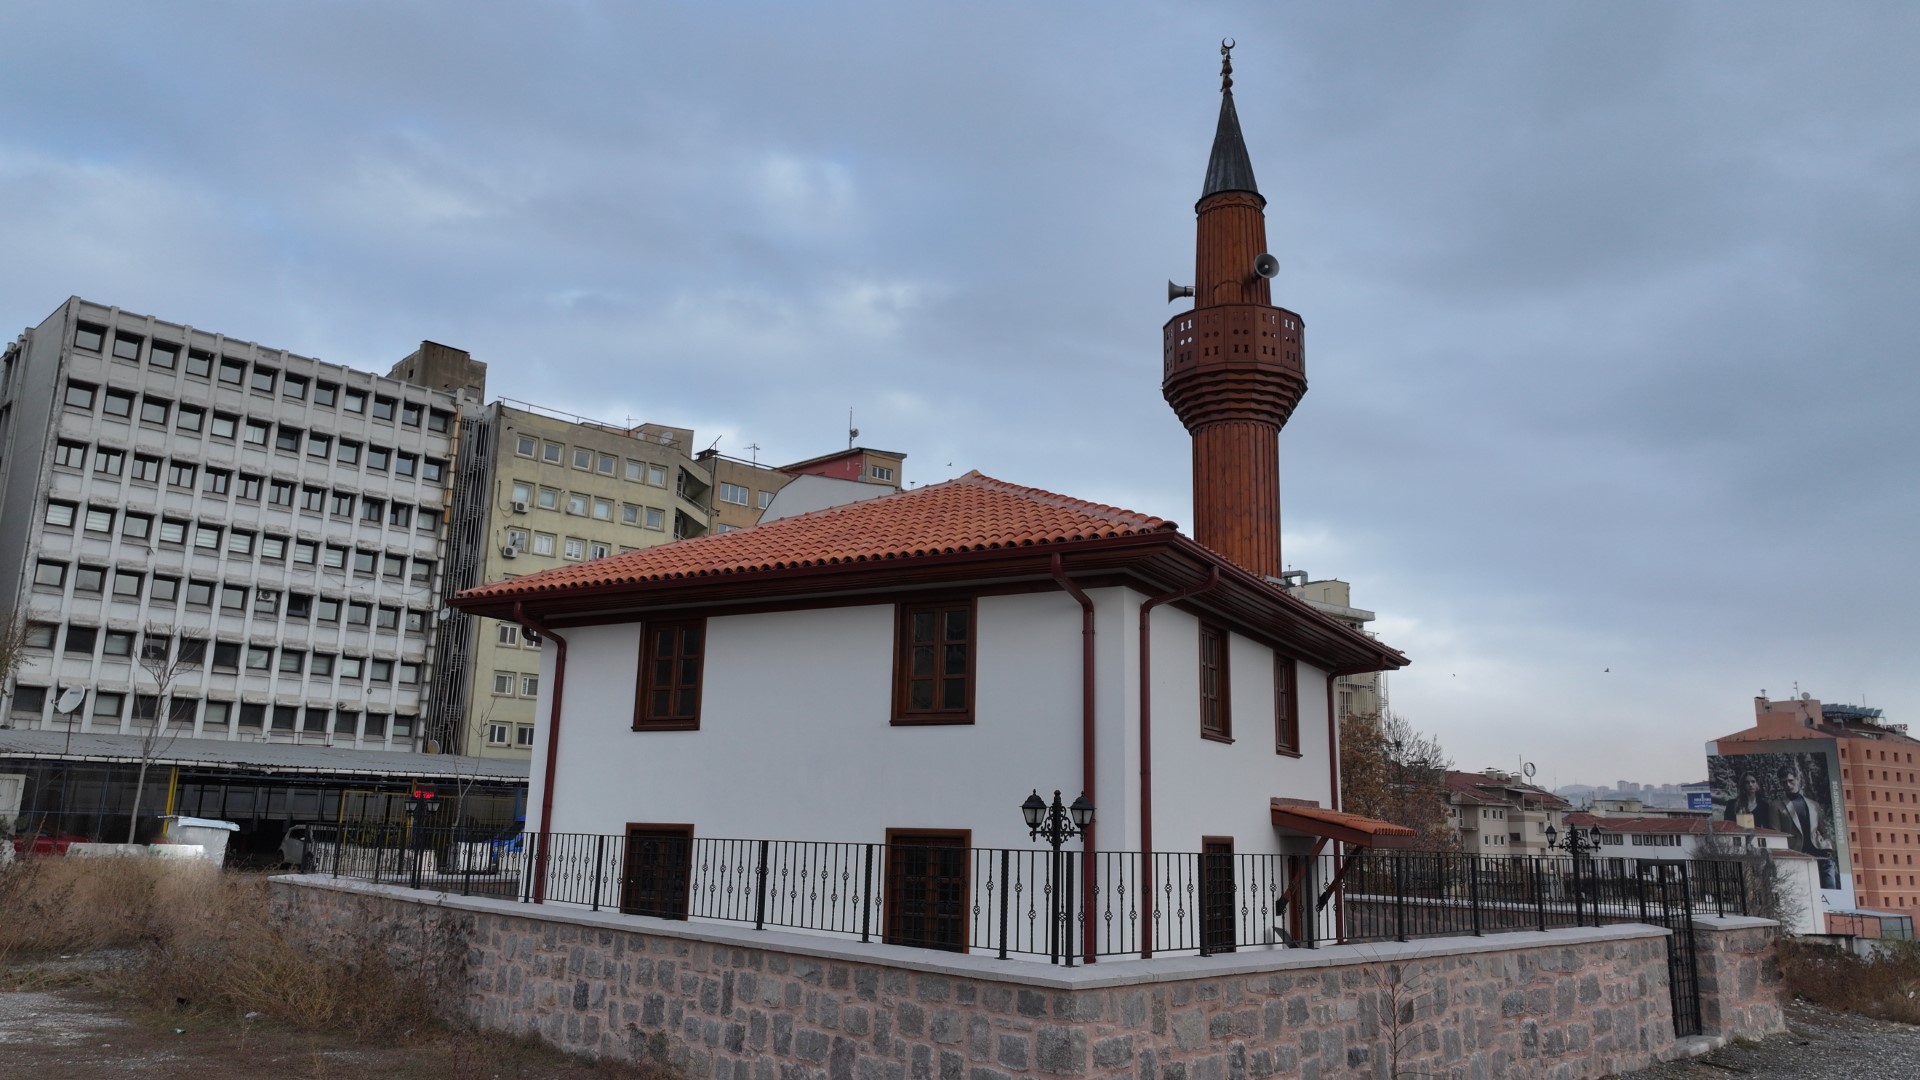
pixel 1666 899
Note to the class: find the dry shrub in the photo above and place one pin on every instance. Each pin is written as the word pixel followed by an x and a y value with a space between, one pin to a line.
pixel 226 953
pixel 201 938
pixel 1885 986
pixel 52 905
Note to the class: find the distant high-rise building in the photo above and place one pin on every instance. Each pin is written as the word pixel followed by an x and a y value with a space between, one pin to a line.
pixel 1842 782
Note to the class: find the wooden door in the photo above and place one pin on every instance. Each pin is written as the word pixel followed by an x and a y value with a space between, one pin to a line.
pixel 1216 894
pixel 657 870
pixel 927 889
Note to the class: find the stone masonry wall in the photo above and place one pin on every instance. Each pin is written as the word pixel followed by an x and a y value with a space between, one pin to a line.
pixel 1741 987
pixel 728 1003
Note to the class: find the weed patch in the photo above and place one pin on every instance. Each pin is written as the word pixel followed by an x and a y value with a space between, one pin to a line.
pixel 1885 986
pixel 186 946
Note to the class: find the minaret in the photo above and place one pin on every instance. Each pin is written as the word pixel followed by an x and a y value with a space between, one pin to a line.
pixel 1233 369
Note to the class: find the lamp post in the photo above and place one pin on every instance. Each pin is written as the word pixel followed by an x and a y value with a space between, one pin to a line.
pixel 1576 843
pixel 1058 823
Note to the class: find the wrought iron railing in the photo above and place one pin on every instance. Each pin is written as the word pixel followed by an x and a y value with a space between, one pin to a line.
pixel 1024 902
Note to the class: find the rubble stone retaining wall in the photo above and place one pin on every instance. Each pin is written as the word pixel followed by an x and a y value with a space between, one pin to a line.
pixel 1741 988
pixel 734 1004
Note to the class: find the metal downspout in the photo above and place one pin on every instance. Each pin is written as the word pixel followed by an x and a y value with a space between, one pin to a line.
pixel 1087 745
pixel 1333 749
pixel 553 746
pixel 1146 749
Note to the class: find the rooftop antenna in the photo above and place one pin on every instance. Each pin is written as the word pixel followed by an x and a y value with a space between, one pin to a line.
pixel 754 449
pixel 852 432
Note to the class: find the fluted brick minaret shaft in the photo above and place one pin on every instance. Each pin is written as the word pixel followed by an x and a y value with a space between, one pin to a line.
pixel 1233 368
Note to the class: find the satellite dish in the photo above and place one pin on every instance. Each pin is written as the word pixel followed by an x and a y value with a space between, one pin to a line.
pixel 1266 266
pixel 1528 769
pixel 70 700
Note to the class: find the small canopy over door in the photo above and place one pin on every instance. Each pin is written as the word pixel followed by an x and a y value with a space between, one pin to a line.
pixel 1350 834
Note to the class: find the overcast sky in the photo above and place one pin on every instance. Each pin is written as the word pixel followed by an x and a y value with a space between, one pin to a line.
pixel 1610 307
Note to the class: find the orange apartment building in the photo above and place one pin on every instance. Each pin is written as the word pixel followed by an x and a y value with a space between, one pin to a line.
pixel 1842 782
pixel 744 490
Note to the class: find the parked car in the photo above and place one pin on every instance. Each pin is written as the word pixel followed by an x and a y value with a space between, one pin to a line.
pixel 45 843
pixel 300 839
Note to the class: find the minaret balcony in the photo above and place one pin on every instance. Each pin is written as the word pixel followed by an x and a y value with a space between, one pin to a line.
pixel 1234 362
pixel 1254 337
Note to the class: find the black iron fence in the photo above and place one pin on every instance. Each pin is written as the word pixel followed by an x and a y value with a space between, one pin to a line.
pixel 1024 902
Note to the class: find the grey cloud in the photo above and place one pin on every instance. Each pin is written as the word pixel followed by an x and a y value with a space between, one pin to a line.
pixel 1607 304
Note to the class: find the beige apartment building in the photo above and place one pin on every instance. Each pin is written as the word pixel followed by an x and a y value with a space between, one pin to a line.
pixel 546 488
pixel 1498 813
pixel 1362 694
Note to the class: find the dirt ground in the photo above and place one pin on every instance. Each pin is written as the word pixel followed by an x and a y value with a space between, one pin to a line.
pixel 75 1033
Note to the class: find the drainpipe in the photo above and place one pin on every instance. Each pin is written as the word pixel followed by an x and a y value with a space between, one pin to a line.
pixel 1333 748
pixel 553 746
pixel 1146 747
pixel 1087 743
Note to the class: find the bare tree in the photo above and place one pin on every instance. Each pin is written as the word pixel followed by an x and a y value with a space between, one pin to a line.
pixel 163 660
pixel 1390 771
pixel 1770 895
pixel 13 645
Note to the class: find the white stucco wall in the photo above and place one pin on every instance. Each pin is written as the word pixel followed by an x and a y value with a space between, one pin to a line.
pixel 795 740
pixel 1203 787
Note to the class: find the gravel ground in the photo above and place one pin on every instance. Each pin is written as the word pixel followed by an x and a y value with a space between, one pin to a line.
pixel 1820 1045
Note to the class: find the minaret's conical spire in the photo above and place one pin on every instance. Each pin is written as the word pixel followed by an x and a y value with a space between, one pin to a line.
pixel 1228 168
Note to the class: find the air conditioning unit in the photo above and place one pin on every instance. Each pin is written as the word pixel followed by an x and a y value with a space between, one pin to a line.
pixel 519 506
pixel 508 551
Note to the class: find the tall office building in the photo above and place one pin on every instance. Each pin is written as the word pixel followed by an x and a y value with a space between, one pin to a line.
pixel 228 560
pixel 273 519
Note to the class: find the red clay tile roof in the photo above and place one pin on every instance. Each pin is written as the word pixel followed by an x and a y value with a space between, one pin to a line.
pixel 971 513
pixel 1693 825
pixel 1338 825
pixel 1476 787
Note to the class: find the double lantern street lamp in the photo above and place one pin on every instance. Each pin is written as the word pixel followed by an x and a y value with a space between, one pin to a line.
pixel 1058 823
pixel 1577 842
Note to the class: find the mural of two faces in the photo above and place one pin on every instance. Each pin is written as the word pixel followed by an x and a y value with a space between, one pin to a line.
pixel 1797 793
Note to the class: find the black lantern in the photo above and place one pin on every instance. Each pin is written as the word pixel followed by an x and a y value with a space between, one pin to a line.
pixel 1035 811
pixel 1058 823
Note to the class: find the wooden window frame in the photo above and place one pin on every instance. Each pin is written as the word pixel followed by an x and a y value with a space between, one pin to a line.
pixel 643 718
pixel 678 903
pixel 903 714
pixel 890 932
pixel 1286 706
pixel 1222 698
